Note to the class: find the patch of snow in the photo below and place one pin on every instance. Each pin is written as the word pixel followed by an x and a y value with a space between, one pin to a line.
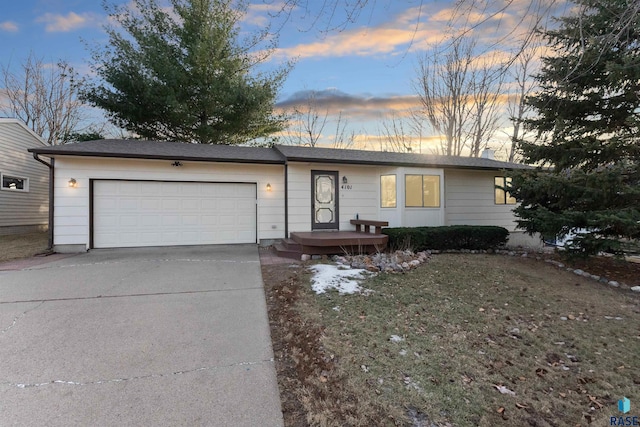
pixel 345 281
pixel 396 338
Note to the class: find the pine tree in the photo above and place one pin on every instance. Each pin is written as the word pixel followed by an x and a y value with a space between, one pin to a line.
pixel 587 149
pixel 184 75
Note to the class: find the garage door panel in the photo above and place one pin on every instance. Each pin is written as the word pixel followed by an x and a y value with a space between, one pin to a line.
pixel 128 204
pixel 145 213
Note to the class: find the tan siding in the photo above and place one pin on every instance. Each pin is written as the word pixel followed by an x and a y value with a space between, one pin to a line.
pixel 72 204
pixel 470 200
pixel 22 208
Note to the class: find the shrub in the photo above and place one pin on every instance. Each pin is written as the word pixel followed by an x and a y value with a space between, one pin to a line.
pixel 473 237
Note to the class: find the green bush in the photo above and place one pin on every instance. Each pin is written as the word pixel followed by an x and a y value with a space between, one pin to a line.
pixel 473 237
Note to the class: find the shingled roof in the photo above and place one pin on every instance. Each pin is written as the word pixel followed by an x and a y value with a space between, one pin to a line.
pixel 164 150
pixel 362 157
pixel 280 154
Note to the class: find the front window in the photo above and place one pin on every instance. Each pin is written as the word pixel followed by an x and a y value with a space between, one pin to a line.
pixel 422 191
pixel 502 196
pixel 388 191
pixel 14 183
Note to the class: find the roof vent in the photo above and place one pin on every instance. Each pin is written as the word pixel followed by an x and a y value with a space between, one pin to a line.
pixel 488 154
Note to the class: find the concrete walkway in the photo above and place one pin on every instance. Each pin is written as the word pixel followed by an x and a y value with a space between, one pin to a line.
pixel 163 336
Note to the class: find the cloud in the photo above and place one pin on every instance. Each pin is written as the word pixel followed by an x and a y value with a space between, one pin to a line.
pixel 405 30
pixel 64 23
pixel 261 14
pixel 8 26
pixel 336 102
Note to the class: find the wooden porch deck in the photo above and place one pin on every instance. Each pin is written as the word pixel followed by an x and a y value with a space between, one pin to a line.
pixel 331 243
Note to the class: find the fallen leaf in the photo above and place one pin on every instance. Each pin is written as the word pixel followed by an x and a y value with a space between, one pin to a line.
pixel 563 395
pixel 481 309
pixel 500 410
pixel 323 379
pixel 521 406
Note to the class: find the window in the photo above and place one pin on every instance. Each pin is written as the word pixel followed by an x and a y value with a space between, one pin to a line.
pixel 388 191
pixel 422 191
pixel 14 183
pixel 503 197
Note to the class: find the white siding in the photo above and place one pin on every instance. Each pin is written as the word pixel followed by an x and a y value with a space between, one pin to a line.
pixel 470 200
pixel 419 217
pixel 362 198
pixel 72 204
pixel 22 208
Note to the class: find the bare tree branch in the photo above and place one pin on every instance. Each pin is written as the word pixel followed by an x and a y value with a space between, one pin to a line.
pixel 44 97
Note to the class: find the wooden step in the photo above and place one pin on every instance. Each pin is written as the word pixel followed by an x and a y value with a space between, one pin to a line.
pixel 286 252
pixel 291 244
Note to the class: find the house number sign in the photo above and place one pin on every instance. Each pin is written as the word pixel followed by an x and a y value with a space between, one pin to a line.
pixel 346 186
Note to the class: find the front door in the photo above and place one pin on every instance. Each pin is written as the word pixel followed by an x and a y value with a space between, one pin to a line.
pixel 324 200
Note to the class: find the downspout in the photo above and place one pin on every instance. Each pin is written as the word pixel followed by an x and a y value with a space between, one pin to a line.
pixel 51 187
pixel 286 200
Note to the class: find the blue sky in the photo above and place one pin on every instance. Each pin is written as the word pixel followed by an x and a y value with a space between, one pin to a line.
pixel 364 68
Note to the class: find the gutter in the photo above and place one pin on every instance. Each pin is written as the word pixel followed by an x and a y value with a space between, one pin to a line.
pixel 51 167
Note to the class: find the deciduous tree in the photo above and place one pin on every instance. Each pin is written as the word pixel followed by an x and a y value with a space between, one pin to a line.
pixel 43 96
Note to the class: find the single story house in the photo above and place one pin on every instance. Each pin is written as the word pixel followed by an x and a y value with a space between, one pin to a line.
pixel 24 183
pixel 124 193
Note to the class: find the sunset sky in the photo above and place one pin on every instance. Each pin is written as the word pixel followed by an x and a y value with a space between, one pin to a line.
pixel 364 68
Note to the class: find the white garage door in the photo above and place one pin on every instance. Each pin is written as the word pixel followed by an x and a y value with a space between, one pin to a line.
pixel 149 213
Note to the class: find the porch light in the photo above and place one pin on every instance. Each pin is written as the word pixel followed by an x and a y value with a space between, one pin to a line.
pixel 345 180
pixel 268 187
pixel 73 183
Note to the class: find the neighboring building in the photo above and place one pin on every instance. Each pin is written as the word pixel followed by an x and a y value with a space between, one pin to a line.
pixel 113 193
pixel 24 191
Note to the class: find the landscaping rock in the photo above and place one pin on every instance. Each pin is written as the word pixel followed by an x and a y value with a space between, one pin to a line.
pixel 578 272
pixel 614 283
pixel 636 289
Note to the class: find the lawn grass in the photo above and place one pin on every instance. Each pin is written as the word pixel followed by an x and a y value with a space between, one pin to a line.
pixel 473 324
pixel 16 246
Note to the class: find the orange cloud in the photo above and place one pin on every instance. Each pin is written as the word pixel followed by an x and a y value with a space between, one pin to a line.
pixel 56 23
pixel 8 26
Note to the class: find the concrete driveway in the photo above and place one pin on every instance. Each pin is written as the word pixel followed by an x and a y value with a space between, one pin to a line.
pixel 162 336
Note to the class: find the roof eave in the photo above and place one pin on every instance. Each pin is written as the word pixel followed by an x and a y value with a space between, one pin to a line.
pixel 397 164
pixel 53 153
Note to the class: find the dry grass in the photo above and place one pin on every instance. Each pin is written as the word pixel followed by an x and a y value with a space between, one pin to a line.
pixel 22 245
pixel 471 324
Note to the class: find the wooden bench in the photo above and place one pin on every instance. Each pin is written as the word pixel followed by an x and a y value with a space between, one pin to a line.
pixel 368 224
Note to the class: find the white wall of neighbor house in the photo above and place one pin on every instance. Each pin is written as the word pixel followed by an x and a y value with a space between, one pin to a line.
pixel 71 214
pixel 22 210
pixel 470 200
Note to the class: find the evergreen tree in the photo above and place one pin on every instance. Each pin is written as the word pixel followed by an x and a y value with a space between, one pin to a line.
pixel 587 149
pixel 182 74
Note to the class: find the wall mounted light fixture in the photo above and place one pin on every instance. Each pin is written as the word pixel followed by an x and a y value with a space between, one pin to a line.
pixel 345 180
pixel 268 187
pixel 73 183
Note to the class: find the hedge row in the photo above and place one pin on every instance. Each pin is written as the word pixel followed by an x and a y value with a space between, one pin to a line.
pixel 472 237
